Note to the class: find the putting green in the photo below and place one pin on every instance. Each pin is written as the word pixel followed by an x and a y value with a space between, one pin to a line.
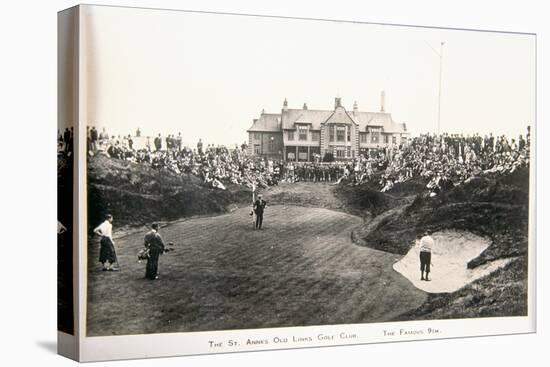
pixel 301 269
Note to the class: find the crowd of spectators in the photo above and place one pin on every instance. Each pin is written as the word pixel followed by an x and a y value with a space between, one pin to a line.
pixel 442 160
pixel 448 160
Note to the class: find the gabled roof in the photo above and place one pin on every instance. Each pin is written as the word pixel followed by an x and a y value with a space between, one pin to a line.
pixel 313 117
pixel 382 119
pixel 268 122
pixel 340 115
pixel 289 117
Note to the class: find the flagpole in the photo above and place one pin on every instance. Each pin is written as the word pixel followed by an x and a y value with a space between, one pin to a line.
pixel 440 54
pixel 253 200
pixel 439 98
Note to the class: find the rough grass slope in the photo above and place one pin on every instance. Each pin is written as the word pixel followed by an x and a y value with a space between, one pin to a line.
pixel 494 206
pixel 137 194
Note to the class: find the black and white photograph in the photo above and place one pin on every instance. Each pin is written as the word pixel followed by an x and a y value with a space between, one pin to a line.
pixel 300 172
pixel 66 163
pixel 274 183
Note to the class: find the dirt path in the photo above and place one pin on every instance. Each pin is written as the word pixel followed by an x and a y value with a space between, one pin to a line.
pixel 301 269
pixel 308 194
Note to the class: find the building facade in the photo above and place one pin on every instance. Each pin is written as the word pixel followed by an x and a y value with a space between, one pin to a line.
pixel 306 135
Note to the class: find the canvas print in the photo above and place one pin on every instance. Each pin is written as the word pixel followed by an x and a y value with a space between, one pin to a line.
pixel 66 163
pixel 248 172
pixel 65 181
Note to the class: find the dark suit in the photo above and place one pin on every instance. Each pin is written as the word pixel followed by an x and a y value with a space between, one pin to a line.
pixel 259 207
pixel 153 242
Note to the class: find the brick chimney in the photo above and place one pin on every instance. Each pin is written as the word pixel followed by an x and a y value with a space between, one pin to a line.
pixel 337 102
pixel 285 105
pixel 382 101
pixel 355 108
pixel 305 106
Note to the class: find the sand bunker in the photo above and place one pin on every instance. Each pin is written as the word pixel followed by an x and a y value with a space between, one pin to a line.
pixel 451 254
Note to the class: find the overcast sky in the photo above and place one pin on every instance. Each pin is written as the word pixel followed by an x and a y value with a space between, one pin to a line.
pixel 209 75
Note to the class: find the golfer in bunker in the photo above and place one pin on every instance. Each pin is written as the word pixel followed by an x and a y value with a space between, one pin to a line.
pixel 426 247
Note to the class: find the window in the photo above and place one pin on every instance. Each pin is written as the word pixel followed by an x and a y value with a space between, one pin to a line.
pixel 349 134
pixel 291 135
pixel 302 133
pixel 256 136
pixel 257 149
pixel 340 152
pixel 375 136
pixel 315 135
pixel 394 139
pixel 272 144
pixel 386 139
pixel 348 152
pixel 331 132
pixel 340 131
pixel 403 139
pixel 363 137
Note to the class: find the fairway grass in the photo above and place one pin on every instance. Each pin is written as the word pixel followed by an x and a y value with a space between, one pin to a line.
pixel 301 269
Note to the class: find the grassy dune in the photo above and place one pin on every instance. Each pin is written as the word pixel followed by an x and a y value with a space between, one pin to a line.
pixel 496 207
pixel 137 194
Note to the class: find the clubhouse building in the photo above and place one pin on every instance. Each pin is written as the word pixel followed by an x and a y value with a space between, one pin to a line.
pixel 306 135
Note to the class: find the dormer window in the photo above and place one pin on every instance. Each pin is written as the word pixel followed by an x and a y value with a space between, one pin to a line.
pixel 302 133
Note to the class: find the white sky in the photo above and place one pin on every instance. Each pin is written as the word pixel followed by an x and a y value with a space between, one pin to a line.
pixel 209 75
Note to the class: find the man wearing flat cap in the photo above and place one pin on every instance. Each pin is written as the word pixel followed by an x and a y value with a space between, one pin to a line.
pixel 153 242
pixel 259 206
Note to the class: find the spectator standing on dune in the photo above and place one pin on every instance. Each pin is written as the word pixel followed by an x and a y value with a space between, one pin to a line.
pixel 94 136
pixel 158 143
pixel 199 147
pixel 130 142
